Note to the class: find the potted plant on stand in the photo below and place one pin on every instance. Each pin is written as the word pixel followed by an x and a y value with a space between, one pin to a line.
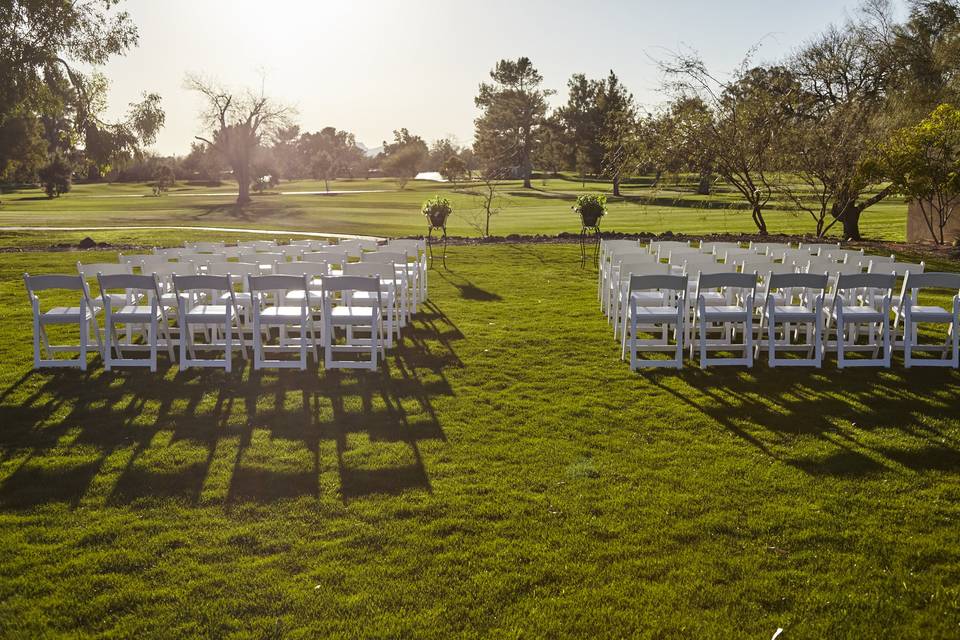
pixel 590 207
pixel 437 209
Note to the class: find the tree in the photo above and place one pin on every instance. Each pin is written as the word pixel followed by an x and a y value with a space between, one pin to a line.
pixel 453 170
pixel 840 115
pixel 489 203
pixel 617 128
pixel 922 163
pixel 514 106
pixel 749 114
pixel 403 158
pixel 43 46
pixel 203 162
pixel 286 153
pixel 163 179
pixel 583 119
pixel 553 152
pixel 329 154
pixel 236 123
pixel 440 151
pixel 56 176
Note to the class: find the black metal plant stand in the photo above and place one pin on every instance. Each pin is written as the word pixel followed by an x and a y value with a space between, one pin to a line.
pixel 443 240
pixel 589 237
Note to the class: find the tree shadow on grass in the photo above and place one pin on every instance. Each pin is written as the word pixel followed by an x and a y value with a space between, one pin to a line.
pixel 466 288
pixel 131 436
pixel 771 409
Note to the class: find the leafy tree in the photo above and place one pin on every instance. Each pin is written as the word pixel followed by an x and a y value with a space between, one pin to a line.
pixel 23 149
pixel 583 119
pixel 617 128
pixel 56 176
pixel 403 158
pixel 329 154
pixel 440 151
pixel 838 117
pixel 553 152
pixel 203 162
pixel 514 106
pixel 922 163
pixel 453 170
pixel 236 123
pixel 286 152
pixel 44 47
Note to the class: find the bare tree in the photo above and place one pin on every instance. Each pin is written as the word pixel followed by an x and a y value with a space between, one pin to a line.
pixel 236 123
pixel 489 202
pixel 747 120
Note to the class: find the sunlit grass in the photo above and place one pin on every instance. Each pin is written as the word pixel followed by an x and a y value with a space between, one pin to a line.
pixel 505 475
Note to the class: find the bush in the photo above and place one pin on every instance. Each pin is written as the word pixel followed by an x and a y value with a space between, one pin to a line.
pixel 164 178
pixel 56 176
pixel 437 210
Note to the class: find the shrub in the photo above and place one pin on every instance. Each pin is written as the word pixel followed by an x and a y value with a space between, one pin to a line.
pixel 164 178
pixel 56 176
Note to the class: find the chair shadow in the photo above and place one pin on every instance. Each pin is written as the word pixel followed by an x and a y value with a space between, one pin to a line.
pixel 134 436
pixel 769 408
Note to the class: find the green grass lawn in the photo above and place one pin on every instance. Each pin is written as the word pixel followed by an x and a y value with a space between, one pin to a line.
pixel 544 209
pixel 505 475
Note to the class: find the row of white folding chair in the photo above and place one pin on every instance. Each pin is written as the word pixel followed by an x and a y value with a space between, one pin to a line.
pixel 795 302
pixel 205 304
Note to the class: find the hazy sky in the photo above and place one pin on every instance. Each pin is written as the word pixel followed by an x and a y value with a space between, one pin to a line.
pixel 371 66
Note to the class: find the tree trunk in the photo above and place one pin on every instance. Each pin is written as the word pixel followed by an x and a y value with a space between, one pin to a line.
pixel 850 217
pixel 616 186
pixel 706 179
pixel 759 221
pixel 656 180
pixel 243 184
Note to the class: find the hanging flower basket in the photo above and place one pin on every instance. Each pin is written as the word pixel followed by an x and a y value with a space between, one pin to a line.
pixel 437 210
pixel 591 207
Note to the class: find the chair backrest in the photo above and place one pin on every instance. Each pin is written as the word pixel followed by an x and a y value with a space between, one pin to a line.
pixel 898 269
pixel 129 283
pixel 328 257
pixel 817 281
pixel 814 248
pixel 633 250
pixel 377 269
pixel 633 256
pixel 661 282
pixel 676 255
pixel 91 270
pixel 733 254
pixel 60 281
pixel 310 243
pixel 728 280
pixel 847 281
pixel 932 280
pixel 275 282
pixel 311 270
pixel 201 283
pixel 292 252
pixel 691 264
pixel 204 247
pixel 334 284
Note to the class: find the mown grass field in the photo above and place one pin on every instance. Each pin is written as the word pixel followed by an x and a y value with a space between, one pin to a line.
pixel 505 475
pixel 390 211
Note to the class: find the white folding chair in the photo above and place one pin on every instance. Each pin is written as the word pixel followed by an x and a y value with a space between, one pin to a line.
pixel 620 295
pixel 151 317
pixel 81 315
pixel 739 291
pixel 793 303
pixel 417 250
pixel 913 314
pixel 340 312
pixel 672 291
pixel 862 300
pixel 287 317
pixel 401 272
pixel 90 271
pixel 202 304
pixel 391 287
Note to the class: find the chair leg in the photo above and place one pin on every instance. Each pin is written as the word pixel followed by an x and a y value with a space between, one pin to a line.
pixel 152 339
pixel 84 331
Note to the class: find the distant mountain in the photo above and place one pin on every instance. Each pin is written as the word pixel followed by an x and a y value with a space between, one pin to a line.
pixel 368 151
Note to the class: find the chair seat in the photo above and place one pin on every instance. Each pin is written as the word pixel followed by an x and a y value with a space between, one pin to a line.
pixel 206 313
pixel 919 313
pixel 656 314
pixel 724 312
pixel 65 315
pixel 793 313
pixel 281 313
pixel 136 313
pixel 354 315
pixel 861 314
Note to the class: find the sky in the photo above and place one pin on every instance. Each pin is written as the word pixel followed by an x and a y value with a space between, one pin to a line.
pixel 372 66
